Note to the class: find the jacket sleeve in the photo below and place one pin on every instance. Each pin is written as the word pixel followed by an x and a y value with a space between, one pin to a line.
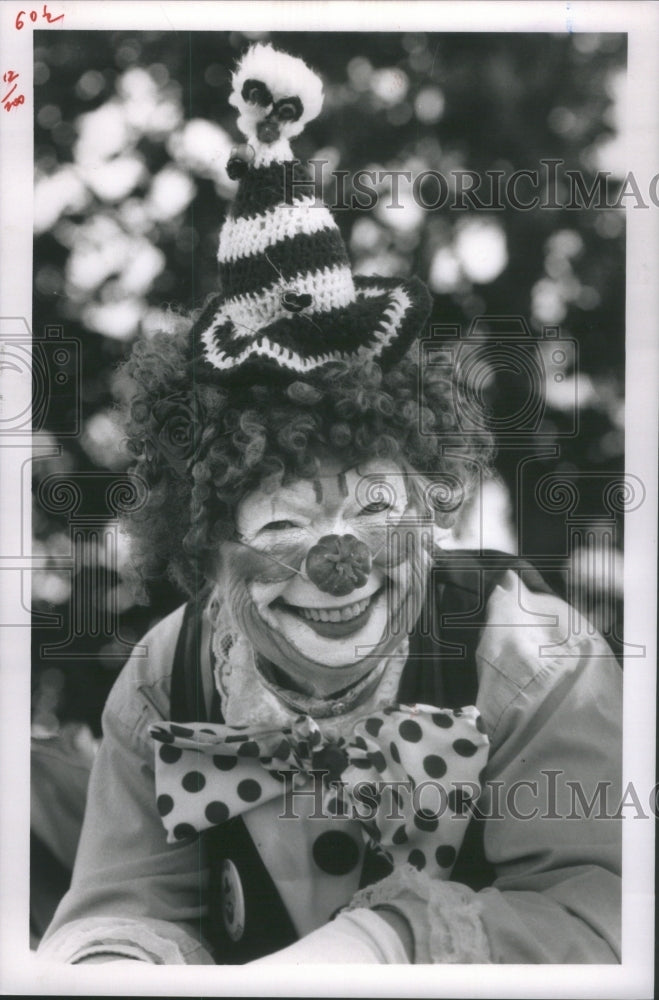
pixel 132 895
pixel 551 696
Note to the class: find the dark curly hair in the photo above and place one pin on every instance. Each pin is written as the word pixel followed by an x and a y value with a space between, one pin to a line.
pixel 200 448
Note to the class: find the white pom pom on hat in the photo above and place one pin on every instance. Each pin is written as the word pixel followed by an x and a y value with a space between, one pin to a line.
pixel 285 76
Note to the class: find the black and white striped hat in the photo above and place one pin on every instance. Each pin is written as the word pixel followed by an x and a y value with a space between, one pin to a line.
pixel 289 300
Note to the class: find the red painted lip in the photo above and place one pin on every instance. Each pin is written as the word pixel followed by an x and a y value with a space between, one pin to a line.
pixel 333 630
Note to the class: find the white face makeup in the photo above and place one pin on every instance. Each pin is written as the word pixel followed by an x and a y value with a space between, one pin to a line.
pixel 317 626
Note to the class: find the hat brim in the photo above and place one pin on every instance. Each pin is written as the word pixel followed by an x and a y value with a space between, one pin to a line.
pixel 386 316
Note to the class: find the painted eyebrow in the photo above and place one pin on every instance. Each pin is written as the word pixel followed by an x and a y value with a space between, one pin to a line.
pixel 280 509
pixel 343 485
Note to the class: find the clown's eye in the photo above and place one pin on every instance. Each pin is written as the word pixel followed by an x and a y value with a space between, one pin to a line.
pixel 288 109
pixel 378 507
pixel 279 525
pixel 256 92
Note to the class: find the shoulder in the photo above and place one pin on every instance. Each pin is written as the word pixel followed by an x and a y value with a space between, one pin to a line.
pixel 141 692
pixel 532 645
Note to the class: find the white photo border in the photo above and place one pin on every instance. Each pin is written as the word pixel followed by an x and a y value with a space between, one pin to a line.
pixel 20 973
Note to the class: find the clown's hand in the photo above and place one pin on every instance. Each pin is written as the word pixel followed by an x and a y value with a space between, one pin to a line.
pixel 436 921
pixel 406 918
pixel 360 936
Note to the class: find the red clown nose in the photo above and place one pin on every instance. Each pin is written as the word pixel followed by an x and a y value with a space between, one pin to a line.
pixel 339 564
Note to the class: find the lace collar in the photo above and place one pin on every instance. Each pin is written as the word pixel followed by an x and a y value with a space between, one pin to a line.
pixel 250 696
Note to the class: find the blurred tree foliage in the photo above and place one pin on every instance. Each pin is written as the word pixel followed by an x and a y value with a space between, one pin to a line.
pixel 132 131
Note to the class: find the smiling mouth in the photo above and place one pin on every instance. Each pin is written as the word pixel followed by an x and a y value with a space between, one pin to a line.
pixel 333 623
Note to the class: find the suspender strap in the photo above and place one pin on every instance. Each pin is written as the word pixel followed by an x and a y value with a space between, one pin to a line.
pixel 441 667
pixel 187 701
pixel 268 926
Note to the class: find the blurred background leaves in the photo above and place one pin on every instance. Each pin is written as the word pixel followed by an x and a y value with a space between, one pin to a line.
pixel 132 132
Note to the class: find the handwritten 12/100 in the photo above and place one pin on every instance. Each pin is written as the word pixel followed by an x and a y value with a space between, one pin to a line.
pixel 7 102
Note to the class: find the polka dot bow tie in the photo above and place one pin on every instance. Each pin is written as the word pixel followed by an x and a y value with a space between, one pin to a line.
pixel 404 772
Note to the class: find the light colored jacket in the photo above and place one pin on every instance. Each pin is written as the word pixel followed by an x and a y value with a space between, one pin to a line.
pixel 550 694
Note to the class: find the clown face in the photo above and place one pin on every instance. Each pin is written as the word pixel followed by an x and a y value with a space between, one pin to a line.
pixel 328 574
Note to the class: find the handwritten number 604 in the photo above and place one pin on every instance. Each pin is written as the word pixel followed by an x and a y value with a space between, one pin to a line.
pixel 33 15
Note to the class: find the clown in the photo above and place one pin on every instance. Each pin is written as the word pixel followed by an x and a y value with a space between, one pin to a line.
pixel 279 776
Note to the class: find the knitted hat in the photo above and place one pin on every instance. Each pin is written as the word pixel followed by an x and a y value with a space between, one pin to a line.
pixel 289 301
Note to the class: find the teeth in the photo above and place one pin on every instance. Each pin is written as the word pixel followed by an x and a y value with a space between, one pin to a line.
pixel 335 614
